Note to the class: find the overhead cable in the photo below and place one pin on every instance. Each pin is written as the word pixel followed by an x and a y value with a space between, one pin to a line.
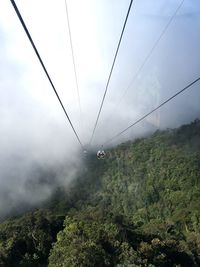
pixel 149 113
pixel 109 77
pixel 73 58
pixel 43 66
pixel 151 51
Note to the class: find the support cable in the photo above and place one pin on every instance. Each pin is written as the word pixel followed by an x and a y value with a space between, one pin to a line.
pixel 102 102
pixel 149 113
pixel 44 68
pixel 73 58
pixel 150 52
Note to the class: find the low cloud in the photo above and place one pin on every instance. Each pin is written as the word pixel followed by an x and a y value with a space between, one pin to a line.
pixel 39 150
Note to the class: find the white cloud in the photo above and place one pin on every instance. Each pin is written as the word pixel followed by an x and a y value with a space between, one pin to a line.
pixel 33 125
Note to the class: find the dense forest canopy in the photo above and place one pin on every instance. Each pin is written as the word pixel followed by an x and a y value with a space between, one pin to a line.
pixel 139 206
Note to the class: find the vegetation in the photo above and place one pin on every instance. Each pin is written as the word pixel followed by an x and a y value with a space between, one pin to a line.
pixel 26 241
pixel 138 207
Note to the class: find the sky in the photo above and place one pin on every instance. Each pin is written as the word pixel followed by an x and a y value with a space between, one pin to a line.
pixel 34 132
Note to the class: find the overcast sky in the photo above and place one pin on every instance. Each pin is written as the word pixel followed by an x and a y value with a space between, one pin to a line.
pixel 32 124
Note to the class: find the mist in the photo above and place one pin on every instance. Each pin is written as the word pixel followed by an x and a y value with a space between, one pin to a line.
pixel 39 150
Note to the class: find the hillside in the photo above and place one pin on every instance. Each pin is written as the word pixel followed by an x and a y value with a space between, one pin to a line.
pixel 139 206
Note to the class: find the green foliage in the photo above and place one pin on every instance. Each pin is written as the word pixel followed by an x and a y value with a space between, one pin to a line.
pixel 138 207
pixel 82 244
pixel 26 241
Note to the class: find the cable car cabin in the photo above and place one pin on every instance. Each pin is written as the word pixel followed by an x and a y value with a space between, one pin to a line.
pixel 85 153
pixel 101 154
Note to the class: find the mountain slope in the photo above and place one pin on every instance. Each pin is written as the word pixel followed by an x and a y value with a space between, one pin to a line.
pixel 138 206
pixel 149 188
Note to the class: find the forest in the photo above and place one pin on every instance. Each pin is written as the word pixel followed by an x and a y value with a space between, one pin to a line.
pixel 137 207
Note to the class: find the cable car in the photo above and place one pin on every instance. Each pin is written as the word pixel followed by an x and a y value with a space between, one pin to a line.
pixel 101 154
pixel 85 153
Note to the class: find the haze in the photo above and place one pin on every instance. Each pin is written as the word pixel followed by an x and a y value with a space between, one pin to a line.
pixel 34 132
